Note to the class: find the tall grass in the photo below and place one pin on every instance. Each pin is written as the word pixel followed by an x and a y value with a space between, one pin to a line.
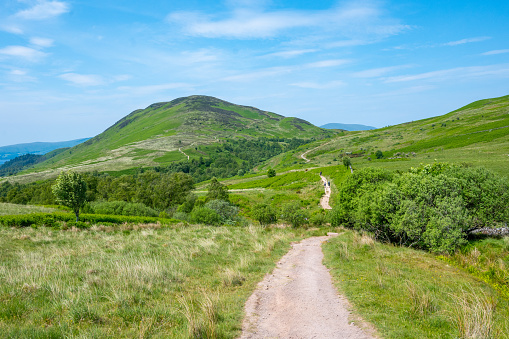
pixel 406 293
pixel 143 281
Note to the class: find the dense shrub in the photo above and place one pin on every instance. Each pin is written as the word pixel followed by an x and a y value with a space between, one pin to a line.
pixel 264 213
pixel 432 207
pixel 226 211
pixel 54 219
pixel 120 208
pixel 204 215
pixel 294 214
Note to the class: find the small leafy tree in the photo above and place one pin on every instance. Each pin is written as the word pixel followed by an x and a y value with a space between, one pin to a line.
pixel 217 191
pixel 271 173
pixel 346 161
pixel 379 154
pixel 70 190
pixel 294 214
pixel 264 214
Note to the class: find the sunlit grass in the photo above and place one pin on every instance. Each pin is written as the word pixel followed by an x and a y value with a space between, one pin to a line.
pixel 132 282
pixel 14 209
pixel 406 293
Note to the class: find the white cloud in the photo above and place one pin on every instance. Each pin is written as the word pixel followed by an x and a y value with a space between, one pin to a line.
pixel 85 80
pixel 327 63
pixel 316 85
pixel 263 73
pixel 377 72
pixel 251 24
pixel 11 29
pixel 497 51
pixel 466 41
pixel 23 52
pixel 44 10
pixel 456 73
pixel 19 75
pixel 153 89
pixel 292 53
pixel 41 42
pixel 346 43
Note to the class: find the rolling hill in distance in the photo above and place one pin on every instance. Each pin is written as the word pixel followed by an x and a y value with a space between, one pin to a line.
pixel 12 151
pixel 476 134
pixel 347 127
pixel 170 131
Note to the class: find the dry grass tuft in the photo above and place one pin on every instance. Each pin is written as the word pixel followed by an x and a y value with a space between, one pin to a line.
pixel 423 303
pixel 473 314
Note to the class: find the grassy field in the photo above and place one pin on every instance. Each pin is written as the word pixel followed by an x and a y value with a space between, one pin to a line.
pixel 15 209
pixel 406 293
pixel 132 281
pixel 477 134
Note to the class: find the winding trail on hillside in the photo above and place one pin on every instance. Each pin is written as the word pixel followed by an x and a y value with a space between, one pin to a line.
pixel 298 300
pixel 324 201
pixel 181 151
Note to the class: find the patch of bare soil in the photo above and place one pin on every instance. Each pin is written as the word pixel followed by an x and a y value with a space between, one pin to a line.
pixel 298 300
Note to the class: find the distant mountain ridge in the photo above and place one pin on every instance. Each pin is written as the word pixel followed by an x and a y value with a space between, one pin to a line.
pixel 348 127
pixel 12 151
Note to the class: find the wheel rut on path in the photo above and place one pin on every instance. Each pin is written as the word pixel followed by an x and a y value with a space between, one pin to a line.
pixel 298 300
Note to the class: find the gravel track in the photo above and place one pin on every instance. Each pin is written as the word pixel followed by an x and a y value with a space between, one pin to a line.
pixel 298 300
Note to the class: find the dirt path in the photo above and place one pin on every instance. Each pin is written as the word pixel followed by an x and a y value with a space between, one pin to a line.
pixel 298 300
pixel 181 151
pixel 324 201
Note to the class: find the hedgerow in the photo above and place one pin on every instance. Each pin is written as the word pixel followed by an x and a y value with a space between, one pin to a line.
pixel 54 219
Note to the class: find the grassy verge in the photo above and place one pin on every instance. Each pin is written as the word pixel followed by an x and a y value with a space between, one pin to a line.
pixel 132 281
pixel 411 294
pixel 15 209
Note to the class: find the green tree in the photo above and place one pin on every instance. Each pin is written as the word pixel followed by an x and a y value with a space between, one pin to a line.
pixel 217 191
pixel 346 161
pixel 271 173
pixel 70 190
pixel 264 214
pixel 294 214
pixel 379 154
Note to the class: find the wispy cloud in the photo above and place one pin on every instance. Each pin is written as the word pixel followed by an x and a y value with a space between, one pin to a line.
pixel 11 29
pixel 466 41
pixel 497 51
pixel 377 72
pixel 44 10
pixel 20 75
pixel 292 53
pixel 153 89
pixel 327 63
pixel 456 73
pixel 26 53
pixel 319 85
pixel 274 71
pixel 41 42
pixel 245 23
pixel 85 80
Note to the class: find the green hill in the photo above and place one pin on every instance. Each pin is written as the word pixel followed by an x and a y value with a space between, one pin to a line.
pixel 170 131
pixel 477 134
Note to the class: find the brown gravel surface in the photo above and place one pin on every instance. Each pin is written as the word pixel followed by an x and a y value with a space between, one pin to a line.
pixel 298 300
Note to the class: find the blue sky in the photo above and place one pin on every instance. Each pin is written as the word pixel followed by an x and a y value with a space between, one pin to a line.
pixel 70 69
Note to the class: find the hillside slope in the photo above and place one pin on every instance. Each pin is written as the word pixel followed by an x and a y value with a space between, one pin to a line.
pixel 169 131
pixel 476 134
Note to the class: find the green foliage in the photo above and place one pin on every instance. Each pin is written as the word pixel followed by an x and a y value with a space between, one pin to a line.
pixel 56 218
pixel 294 214
pixel 119 208
pixel 271 172
pixel 226 211
pixel 217 191
pixel 205 216
pixel 379 154
pixel 70 190
pixel 264 213
pixel 433 207
pixel 188 205
pixel 346 161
